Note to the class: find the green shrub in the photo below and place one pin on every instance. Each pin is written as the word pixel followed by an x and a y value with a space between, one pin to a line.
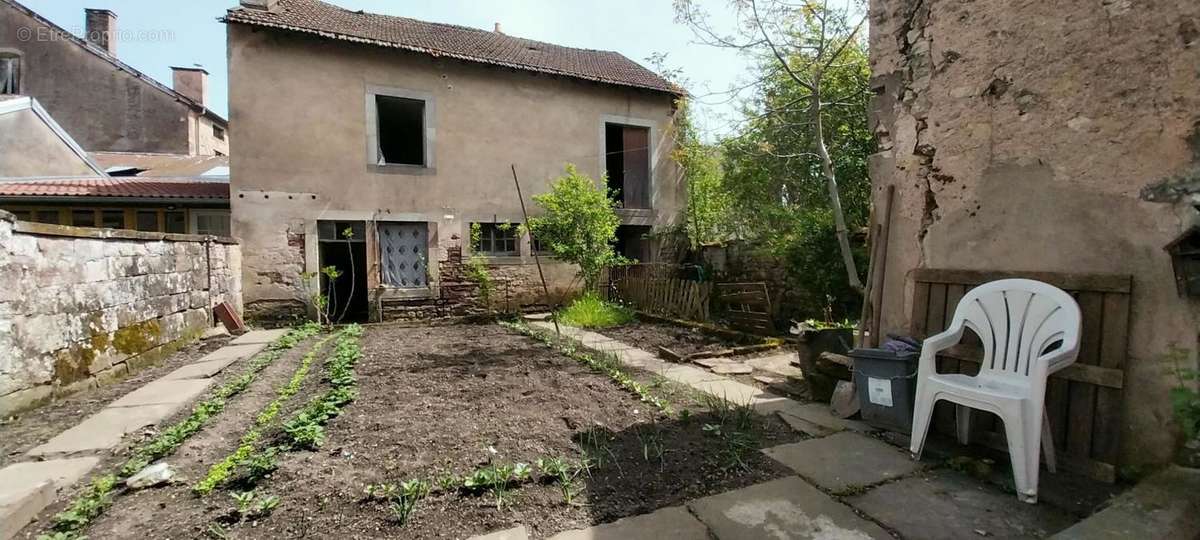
pixel 592 312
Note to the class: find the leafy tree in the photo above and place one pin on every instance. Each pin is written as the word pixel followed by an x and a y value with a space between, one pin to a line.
pixel 706 218
pixel 811 65
pixel 796 170
pixel 579 224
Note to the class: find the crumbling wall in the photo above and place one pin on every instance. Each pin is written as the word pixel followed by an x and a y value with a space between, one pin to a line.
pixel 1020 136
pixel 82 307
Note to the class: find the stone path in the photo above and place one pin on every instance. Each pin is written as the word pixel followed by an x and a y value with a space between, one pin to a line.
pixel 28 487
pixel 848 484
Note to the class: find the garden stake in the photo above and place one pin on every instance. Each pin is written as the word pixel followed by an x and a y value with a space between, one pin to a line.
pixel 536 258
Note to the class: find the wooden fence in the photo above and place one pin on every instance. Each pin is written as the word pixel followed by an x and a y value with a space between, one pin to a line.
pixel 678 298
pixel 1083 401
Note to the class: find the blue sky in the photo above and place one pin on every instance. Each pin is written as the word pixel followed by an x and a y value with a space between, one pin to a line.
pixel 162 33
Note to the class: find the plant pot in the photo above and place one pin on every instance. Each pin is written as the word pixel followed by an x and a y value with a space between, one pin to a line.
pixel 812 343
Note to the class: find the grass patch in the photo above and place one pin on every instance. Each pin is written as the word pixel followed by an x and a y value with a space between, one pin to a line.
pixel 589 311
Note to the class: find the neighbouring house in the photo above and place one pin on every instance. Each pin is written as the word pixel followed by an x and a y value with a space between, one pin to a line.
pixel 105 104
pixel 157 157
pixel 46 177
pixel 1062 140
pixel 405 133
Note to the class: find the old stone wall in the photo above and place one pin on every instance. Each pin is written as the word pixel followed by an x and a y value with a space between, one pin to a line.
pixel 82 307
pixel 1019 136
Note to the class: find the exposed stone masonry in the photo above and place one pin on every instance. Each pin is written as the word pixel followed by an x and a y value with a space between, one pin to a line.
pixel 83 307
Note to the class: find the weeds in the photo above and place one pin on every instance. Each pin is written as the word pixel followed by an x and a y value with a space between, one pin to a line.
pixel 1185 399
pixel 69 523
pixel 557 470
pixel 405 502
pixel 251 506
pixel 651 440
pixel 606 363
pixel 221 471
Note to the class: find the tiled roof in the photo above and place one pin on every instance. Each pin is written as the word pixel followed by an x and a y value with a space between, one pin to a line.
pixel 460 42
pixel 126 188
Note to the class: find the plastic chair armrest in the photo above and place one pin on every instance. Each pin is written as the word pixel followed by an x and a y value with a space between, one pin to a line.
pixel 935 344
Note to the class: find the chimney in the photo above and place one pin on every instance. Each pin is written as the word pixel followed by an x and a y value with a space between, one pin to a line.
pixel 262 5
pixel 497 29
pixel 101 29
pixel 191 82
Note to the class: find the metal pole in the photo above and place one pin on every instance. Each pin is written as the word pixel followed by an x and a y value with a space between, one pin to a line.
pixel 536 259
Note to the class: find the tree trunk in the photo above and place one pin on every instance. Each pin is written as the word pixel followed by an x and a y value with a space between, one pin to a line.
pixel 835 200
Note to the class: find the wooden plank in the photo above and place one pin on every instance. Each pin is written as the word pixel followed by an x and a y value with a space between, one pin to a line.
pixel 1082 373
pixel 1082 401
pixel 1114 351
pixel 937 308
pixel 954 294
pixel 920 310
pixel 1117 283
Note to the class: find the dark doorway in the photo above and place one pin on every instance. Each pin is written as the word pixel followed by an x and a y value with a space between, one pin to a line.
pixel 343 245
pixel 627 160
pixel 632 242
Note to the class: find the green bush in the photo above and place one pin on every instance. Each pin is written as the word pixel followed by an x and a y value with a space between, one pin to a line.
pixel 590 311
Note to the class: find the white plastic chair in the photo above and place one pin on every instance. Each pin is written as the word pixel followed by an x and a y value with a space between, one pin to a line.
pixel 1018 322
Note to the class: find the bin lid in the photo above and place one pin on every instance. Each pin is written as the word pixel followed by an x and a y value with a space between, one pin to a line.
pixel 885 355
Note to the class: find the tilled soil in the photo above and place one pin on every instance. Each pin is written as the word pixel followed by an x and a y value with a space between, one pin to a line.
pixel 452 399
pixel 22 432
pixel 173 511
pixel 682 340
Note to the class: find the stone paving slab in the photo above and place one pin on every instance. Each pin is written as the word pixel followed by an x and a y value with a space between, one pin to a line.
pixel 235 352
pixel 732 368
pixel 784 509
pixel 516 533
pixel 815 413
pixel 674 523
pixel 200 370
pixel 104 429
pixel 779 364
pixel 740 393
pixel 687 375
pixel 804 426
pixel 164 391
pixel 946 505
pixel 25 508
pixel 1164 505
pixel 259 337
pixel 844 460
pixel 20 479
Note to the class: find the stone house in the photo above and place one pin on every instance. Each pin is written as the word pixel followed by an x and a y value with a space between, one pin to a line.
pixel 132 125
pixel 104 103
pixel 406 132
pixel 1046 137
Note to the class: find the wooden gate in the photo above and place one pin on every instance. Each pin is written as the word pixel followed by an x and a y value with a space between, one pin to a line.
pixel 1083 401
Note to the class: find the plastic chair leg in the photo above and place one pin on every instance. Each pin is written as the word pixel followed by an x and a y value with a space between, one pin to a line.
pixel 1014 431
pixel 962 417
pixel 922 412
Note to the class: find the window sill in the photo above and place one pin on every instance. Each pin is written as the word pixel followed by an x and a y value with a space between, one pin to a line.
pixel 400 169
pixel 501 260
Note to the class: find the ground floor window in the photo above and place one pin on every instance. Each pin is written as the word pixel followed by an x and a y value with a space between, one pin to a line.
pixel 172 220
pixel 495 239
pixel 211 222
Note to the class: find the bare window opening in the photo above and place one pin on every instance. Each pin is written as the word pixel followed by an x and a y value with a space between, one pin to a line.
pixel 497 240
pixel 10 74
pixel 176 221
pixel 112 219
pixel 50 216
pixel 218 133
pixel 401 130
pixel 83 217
pixel 627 160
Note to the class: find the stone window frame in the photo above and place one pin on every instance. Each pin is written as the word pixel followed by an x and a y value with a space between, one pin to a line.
pixel 371 128
pixel 651 152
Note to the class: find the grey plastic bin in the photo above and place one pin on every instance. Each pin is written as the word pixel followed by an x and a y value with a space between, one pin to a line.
pixel 887 385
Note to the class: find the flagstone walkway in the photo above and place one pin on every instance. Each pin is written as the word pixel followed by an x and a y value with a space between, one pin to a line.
pixel 28 487
pixel 848 484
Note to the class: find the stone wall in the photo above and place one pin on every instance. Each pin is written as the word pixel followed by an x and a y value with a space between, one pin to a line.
pixel 1019 136
pixel 82 307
